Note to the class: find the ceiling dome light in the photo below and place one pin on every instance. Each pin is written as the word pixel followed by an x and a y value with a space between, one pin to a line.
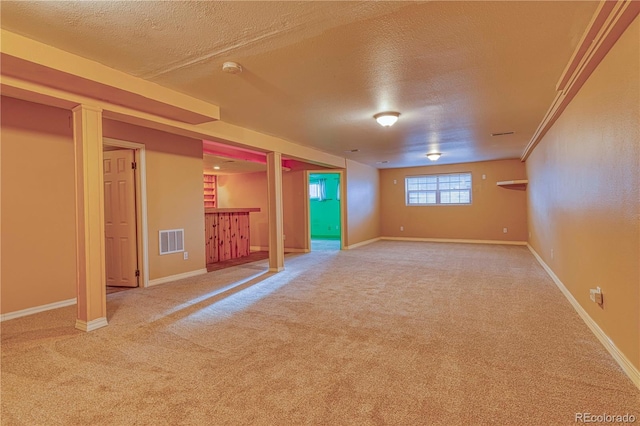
pixel 387 119
pixel 216 167
pixel 433 156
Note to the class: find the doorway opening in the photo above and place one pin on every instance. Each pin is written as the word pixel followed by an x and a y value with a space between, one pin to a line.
pixel 325 212
pixel 126 261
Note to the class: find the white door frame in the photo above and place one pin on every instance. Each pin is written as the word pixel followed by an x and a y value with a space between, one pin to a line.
pixel 343 204
pixel 142 229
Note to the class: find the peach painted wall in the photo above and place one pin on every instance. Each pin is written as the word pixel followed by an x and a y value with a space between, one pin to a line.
pixel 293 208
pixel 493 208
pixel 363 203
pixel 38 206
pixel 584 194
pixel 250 190
pixel 37 143
pixel 174 194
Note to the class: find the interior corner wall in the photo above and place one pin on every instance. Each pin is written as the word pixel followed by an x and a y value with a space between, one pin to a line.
pixel 245 190
pixel 174 194
pixel 584 195
pixel 363 203
pixel 492 207
pixel 38 206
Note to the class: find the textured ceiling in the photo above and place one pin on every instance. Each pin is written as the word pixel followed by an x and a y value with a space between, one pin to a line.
pixel 229 166
pixel 316 72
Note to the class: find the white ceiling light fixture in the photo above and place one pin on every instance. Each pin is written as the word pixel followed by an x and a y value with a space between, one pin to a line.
pixel 216 167
pixel 387 119
pixel 433 156
pixel 232 67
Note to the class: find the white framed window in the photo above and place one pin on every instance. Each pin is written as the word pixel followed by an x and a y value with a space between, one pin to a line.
pixel 317 190
pixel 445 189
pixel 314 191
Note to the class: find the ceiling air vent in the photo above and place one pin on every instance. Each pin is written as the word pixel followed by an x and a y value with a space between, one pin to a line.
pixel 502 134
pixel 171 241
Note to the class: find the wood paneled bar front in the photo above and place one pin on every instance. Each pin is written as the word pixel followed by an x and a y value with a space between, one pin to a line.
pixel 227 233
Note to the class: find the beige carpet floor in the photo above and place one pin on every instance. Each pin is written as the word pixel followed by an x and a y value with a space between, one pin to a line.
pixel 390 333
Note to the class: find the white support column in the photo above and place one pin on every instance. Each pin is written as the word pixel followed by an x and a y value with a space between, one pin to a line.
pixel 276 223
pixel 90 251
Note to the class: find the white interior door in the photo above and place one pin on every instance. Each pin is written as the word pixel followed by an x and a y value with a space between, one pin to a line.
pixel 120 218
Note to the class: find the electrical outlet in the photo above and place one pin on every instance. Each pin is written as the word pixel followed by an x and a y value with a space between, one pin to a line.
pixel 484 177
pixel 504 230
pixel 402 228
pixel 595 294
pixel 185 255
pixel 395 181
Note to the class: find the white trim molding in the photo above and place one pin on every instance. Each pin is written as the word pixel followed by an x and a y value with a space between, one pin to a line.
pixel 176 277
pixel 362 243
pixel 141 199
pixel 626 365
pixel 37 309
pixel 91 325
pixel 286 249
pixel 342 183
pixel 453 240
pixel 295 250
pixel 610 20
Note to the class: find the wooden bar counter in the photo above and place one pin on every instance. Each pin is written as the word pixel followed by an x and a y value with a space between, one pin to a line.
pixel 227 233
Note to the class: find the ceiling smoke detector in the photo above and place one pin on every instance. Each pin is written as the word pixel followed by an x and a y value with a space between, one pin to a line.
pixel 232 67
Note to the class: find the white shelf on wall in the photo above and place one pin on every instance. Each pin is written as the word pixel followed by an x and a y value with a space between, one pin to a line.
pixel 513 184
pixel 210 190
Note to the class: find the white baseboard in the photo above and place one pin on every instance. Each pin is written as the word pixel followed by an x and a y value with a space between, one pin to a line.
pixel 626 365
pixel 36 309
pixel 287 249
pixel 362 243
pixel 453 240
pixel 91 325
pixel 296 250
pixel 170 278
